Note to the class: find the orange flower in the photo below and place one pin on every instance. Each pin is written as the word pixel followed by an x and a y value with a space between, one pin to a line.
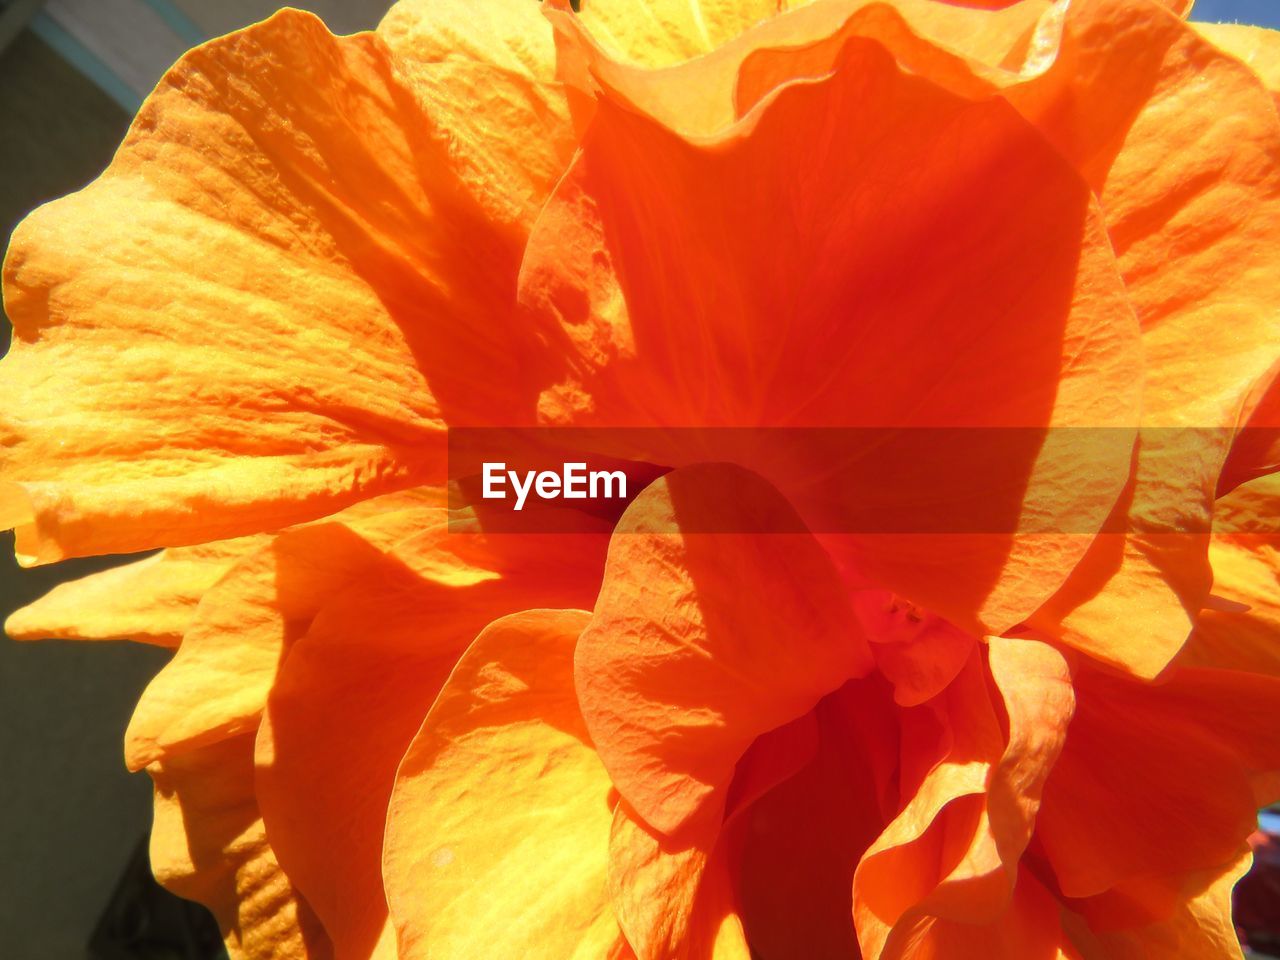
pixel 1042 736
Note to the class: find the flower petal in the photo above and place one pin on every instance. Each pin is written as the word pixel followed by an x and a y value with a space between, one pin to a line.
pixel 340 715
pixel 498 827
pixel 939 843
pixel 760 52
pixel 1029 929
pixel 217 683
pixel 801 841
pixel 1180 140
pixel 673 897
pixel 208 844
pixel 1198 727
pixel 1257 47
pixel 264 308
pixel 1201 927
pixel 693 309
pixel 659 33
pixel 1034 682
pixel 484 70
pixel 1238 630
pixel 344 707
pixel 152 600
pixel 701 642
pixel 918 652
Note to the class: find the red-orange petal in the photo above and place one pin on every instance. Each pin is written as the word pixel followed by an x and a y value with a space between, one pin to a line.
pixel 701 642
pixel 1199 727
pixel 692 309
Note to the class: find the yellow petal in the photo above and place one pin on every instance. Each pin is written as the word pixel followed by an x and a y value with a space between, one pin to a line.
pixel 151 600
pixel 658 33
pixel 485 72
pixel 1257 47
pixel 208 844
pixel 345 705
pixel 1180 142
pixel 265 307
pixel 498 828
pixel 218 681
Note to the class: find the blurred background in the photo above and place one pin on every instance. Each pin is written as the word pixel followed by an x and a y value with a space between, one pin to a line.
pixel 74 881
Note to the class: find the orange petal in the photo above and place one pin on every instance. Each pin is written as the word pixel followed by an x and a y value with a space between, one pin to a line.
pixel 1180 141
pixel 1199 928
pixel 694 309
pixel 701 642
pixel 960 880
pixel 1034 682
pixel 343 709
pixel 208 844
pixel 1199 727
pixel 966 51
pixel 1240 627
pixel 265 307
pixel 802 840
pixel 485 73
pixel 1256 47
pixel 677 896
pixel 151 600
pixel 217 683
pixel 918 652
pixel 497 832
pixel 673 897
pixel 940 842
pixel 1029 929
pixel 752 52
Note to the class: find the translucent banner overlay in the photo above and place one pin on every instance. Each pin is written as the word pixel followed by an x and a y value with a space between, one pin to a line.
pixel 858 480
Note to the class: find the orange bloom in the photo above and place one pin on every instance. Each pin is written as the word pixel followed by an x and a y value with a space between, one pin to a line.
pixel 389 732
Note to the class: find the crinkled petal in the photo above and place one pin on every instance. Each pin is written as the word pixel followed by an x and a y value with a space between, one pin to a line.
pixel 937 854
pixel 345 705
pixel 673 896
pixel 714 300
pixel 971 51
pixel 1029 929
pixel 1200 927
pixel 701 642
pixel 659 33
pixel 1256 47
pixel 272 299
pixel 1181 142
pixel 485 73
pixel 497 832
pixel 1034 682
pixel 152 600
pixel 208 843
pixel 1239 629
pixel 1200 743
pixel 218 681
